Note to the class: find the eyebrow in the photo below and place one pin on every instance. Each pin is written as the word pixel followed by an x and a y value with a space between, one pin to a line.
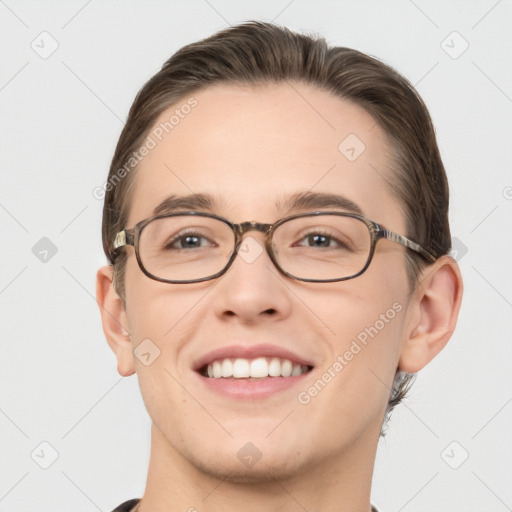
pixel 186 202
pixel 317 201
pixel 290 204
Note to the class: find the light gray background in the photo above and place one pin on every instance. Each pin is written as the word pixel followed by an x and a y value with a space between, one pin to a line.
pixel 60 120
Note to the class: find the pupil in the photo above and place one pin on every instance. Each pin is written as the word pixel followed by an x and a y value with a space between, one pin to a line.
pixel 319 240
pixel 191 240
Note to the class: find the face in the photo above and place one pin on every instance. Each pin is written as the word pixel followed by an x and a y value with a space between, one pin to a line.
pixel 251 149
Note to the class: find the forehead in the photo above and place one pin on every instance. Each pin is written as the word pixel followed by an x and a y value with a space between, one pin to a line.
pixel 252 147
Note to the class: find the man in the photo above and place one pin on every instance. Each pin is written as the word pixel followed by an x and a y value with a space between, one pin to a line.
pixel 276 226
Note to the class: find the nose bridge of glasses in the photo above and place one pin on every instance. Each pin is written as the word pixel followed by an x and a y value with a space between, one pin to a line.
pixel 252 225
pixel 248 226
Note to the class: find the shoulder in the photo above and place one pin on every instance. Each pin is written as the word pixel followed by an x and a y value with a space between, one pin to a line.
pixel 126 506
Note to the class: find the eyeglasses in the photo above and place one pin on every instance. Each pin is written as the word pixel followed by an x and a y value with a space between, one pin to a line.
pixel 317 247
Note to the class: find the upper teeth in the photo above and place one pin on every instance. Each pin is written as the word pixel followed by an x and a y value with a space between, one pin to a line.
pixel 257 368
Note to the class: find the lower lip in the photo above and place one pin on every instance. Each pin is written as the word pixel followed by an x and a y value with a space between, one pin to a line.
pixel 249 389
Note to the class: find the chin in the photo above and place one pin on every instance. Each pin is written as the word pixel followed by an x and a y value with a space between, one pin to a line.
pixel 229 468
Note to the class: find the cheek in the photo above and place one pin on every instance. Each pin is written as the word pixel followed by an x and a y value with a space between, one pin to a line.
pixel 139 303
pixel 167 315
pixel 147 305
pixel 366 332
pixel 158 318
pixel 352 389
pixel 371 306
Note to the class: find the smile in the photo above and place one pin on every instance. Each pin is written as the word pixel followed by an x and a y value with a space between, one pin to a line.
pixel 252 371
pixel 257 368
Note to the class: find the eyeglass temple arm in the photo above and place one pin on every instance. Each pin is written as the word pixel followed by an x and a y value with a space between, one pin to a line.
pixel 399 239
pixel 123 238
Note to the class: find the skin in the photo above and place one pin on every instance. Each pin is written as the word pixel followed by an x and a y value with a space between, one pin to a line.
pixel 250 147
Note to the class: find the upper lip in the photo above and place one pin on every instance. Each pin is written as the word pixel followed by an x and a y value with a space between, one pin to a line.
pixel 249 352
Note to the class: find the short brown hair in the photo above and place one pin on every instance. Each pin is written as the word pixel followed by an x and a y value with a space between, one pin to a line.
pixel 256 53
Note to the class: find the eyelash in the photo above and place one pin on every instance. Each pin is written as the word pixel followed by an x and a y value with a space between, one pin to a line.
pixel 182 236
pixel 328 235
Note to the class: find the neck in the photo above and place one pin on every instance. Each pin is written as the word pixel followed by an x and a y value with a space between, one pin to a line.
pixel 341 483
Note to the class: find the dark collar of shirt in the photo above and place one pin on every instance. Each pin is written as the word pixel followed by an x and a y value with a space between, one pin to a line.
pixel 127 506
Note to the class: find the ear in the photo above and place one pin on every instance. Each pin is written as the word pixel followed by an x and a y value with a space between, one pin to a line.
pixel 115 321
pixel 433 312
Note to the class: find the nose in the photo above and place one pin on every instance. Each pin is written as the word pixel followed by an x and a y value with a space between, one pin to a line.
pixel 253 289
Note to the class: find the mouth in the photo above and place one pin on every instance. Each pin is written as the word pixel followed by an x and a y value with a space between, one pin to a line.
pixel 255 368
pixel 258 371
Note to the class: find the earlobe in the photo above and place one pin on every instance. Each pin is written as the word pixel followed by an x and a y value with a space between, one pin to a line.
pixel 433 314
pixel 115 321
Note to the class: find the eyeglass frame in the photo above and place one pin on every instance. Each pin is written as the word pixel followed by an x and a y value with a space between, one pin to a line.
pixel 377 232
